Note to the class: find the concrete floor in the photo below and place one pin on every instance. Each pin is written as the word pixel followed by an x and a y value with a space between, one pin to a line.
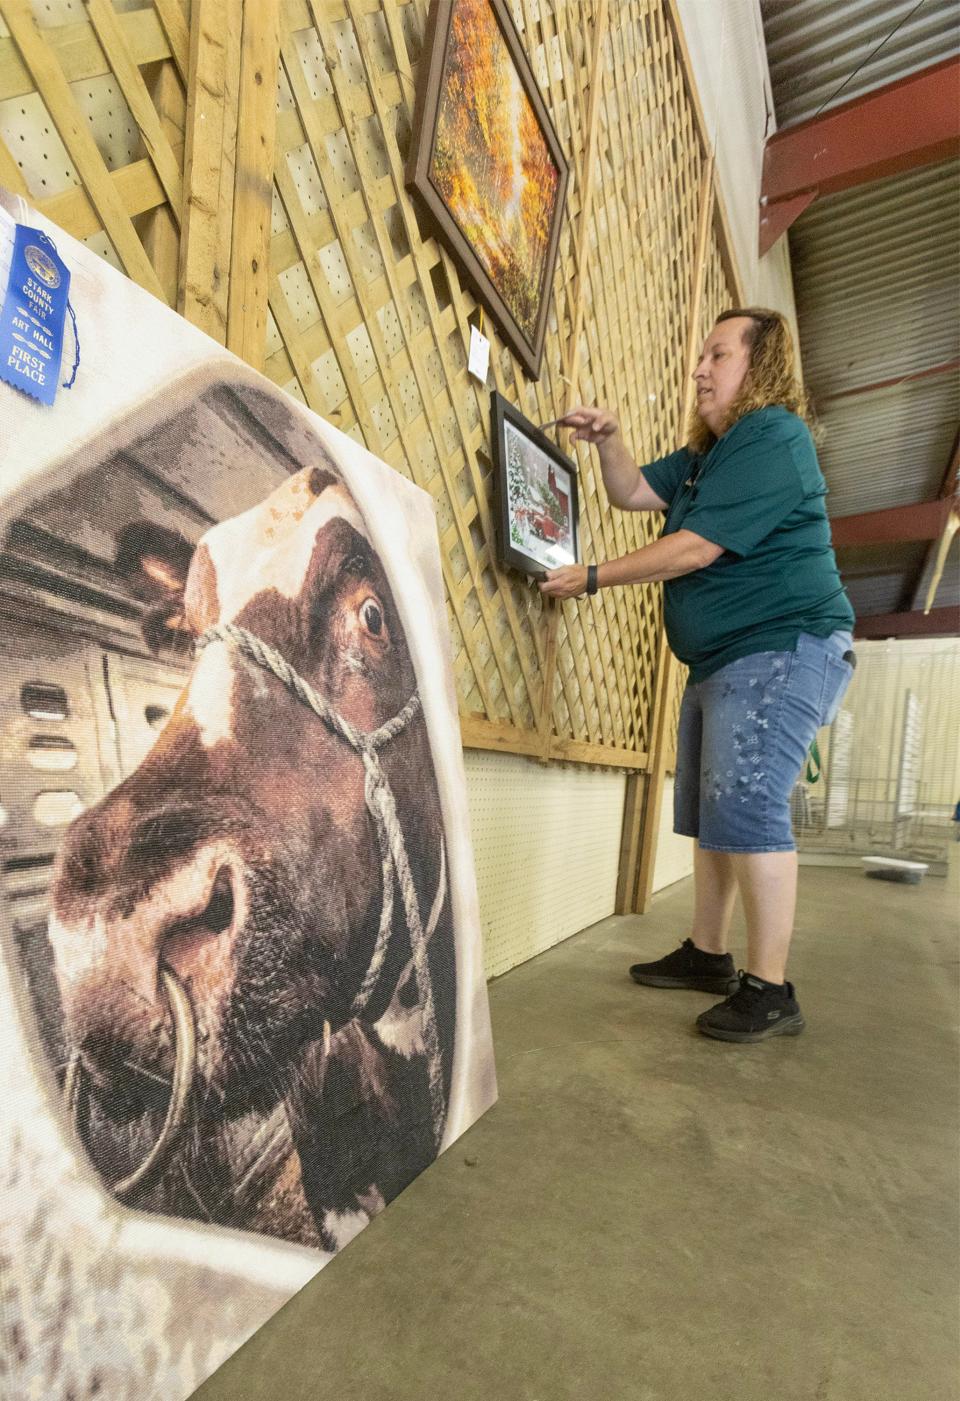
pixel 652 1215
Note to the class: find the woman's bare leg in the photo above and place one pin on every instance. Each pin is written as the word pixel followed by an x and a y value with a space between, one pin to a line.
pixel 768 888
pixel 715 890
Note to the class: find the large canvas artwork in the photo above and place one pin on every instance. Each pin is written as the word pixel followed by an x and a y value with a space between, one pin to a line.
pixel 488 164
pixel 241 994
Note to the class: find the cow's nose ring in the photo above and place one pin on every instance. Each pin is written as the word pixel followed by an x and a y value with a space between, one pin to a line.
pixel 185 1064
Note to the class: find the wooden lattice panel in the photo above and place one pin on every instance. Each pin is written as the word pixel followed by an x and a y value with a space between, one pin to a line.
pixel 717 297
pixel 283 228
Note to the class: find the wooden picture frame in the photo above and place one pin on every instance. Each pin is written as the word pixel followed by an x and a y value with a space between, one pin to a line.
pixel 538 515
pixel 506 247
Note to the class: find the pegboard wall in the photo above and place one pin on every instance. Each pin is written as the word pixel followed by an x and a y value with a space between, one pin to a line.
pixel 546 840
pixel 245 163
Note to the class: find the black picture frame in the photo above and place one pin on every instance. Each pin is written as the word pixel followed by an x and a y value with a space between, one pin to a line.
pixel 526 342
pixel 532 534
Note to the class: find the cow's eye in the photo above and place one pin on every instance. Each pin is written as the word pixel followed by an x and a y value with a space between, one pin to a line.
pixel 371 615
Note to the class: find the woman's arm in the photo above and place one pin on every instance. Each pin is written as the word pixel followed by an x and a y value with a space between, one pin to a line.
pixel 667 558
pixel 623 480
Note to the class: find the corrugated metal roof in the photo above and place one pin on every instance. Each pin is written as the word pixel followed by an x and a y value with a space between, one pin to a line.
pixel 876 275
pixel 877 577
pixel 813 45
pixel 890 448
pixel 877 280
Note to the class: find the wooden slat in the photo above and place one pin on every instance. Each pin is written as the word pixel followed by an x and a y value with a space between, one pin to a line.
pixel 78 53
pixel 630 843
pixel 477 732
pixel 161 229
pixel 578 752
pixel 10 176
pixel 134 89
pixel 586 198
pixel 666 672
pixel 175 29
pixel 253 198
pixel 137 187
pixel 74 132
pixel 208 169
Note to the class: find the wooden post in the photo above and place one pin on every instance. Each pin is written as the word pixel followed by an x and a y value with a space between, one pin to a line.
pixel 636 893
pixel 586 200
pixel 211 130
pixel 572 356
pixel 253 200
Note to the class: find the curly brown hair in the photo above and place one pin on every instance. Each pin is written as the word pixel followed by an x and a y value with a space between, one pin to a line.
pixel 771 377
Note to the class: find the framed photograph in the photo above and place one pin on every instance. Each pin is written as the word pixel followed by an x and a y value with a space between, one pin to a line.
pixel 539 515
pixel 487 164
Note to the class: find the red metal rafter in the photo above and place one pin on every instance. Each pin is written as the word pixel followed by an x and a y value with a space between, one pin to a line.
pixel 948 493
pixel 939 622
pixel 930 372
pixel 923 521
pixel 912 122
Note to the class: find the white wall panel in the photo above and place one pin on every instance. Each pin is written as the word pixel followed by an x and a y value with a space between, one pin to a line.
pixel 728 56
pixel 674 854
pixel 547 848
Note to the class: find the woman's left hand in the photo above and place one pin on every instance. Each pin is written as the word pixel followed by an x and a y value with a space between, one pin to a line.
pixel 567 582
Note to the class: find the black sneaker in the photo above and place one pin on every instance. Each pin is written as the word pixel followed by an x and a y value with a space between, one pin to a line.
pixel 755 1011
pixel 688 967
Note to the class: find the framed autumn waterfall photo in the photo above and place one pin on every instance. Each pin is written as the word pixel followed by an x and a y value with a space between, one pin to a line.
pixel 487 164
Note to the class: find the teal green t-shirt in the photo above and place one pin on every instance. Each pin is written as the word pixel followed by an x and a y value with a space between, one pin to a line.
pixel 759 493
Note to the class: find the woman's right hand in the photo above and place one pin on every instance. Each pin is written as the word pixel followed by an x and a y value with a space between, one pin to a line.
pixel 590 424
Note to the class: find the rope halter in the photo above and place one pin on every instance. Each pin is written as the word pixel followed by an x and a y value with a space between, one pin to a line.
pixel 381 804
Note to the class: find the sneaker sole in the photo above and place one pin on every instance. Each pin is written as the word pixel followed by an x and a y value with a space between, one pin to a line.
pixel 790 1026
pixel 723 986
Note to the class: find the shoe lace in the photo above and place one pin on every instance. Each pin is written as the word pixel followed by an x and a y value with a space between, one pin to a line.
pixel 746 996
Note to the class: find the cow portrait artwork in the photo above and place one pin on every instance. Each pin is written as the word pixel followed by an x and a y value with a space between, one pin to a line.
pixel 242 996
pixel 270 882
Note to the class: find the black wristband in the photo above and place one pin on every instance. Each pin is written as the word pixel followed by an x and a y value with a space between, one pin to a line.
pixel 593 583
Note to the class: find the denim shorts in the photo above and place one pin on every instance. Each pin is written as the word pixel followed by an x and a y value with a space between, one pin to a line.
pixel 743 735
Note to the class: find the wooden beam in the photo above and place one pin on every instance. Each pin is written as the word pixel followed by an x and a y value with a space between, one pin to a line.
pixel 666 668
pixel 948 488
pixel 208 168
pixel 477 732
pixel 586 196
pixel 571 359
pixel 545 717
pixel 897 525
pixel 74 131
pixel 912 122
pixel 939 622
pixel 253 198
pixel 636 789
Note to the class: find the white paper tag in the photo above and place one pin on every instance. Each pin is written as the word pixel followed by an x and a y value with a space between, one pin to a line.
pixel 479 361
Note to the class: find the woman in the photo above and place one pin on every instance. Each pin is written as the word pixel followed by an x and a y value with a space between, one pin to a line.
pixel 753 604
